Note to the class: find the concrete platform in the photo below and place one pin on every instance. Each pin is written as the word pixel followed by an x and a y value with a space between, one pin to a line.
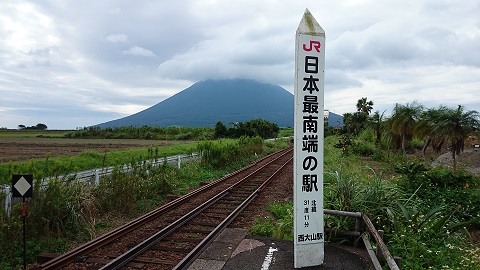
pixel 234 250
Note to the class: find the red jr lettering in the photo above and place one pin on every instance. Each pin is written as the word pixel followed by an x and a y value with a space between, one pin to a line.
pixel 313 44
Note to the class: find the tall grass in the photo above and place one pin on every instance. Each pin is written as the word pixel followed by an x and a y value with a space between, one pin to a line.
pixel 223 152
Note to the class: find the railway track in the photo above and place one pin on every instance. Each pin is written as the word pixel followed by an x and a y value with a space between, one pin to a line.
pixel 174 235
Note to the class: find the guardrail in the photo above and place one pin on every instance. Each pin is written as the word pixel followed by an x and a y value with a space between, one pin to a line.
pixel 381 252
pixel 97 174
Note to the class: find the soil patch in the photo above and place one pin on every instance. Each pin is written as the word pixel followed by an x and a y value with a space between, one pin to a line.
pixel 24 149
pixel 469 159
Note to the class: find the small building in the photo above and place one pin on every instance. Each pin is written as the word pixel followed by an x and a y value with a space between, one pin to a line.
pixel 332 119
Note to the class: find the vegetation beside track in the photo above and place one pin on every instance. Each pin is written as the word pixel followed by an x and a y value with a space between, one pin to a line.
pixel 430 217
pixel 382 167
pixel 67 211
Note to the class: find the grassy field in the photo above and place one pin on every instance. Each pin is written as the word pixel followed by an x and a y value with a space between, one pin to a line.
pixel 29 152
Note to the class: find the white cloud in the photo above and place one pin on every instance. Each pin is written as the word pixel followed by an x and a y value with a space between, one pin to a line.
pixel 139 51
pixel 63 60
pixel 118 38
pixel 121 109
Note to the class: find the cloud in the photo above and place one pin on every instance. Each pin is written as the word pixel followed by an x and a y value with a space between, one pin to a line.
pixel 118 38
pixel 139 51
pixel 61 61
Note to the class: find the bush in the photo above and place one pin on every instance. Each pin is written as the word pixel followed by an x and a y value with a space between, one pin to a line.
pixel 426 238
pixel 414 176
pixel 221 153
pixel 363 150
pixel 439 186
pixel 442 176
pixel 184 136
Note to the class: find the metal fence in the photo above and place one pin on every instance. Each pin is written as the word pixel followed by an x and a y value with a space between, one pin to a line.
pixel 381 252
pixel 96 174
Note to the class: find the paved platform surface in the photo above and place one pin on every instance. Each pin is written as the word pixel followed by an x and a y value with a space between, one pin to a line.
pixel 234 250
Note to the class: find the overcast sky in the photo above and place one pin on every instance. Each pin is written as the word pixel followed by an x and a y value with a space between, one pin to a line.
pixel 71 64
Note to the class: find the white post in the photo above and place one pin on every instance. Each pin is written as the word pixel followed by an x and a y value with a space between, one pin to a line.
pixel 308 143
pixel 97 177
pixel 178 161
pixel 8 200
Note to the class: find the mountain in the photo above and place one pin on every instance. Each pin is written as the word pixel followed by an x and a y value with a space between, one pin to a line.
pixel 206 102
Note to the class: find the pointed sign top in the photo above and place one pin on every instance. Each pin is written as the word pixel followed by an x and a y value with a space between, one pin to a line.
pixel 308 25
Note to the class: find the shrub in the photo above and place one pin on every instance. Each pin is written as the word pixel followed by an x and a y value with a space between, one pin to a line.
pixel 442 176
pixel 425 238
pixel 363 150
pixel 221 153
pixel 184 136
pixel 344 143
pixel 414 176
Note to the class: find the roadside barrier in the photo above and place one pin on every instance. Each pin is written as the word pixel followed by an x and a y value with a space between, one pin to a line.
pixel 97 174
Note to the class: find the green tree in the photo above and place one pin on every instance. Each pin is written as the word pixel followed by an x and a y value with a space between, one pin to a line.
pixel 377 124
pixel 454 126
pixel 41 126
pixel 252 128
pixel 354 123
pixel 425 128
pixel 364 106
pixel 263 128
pixel 403 120
pixel 220 130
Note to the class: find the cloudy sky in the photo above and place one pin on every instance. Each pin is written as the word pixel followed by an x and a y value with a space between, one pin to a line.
pixel 71 64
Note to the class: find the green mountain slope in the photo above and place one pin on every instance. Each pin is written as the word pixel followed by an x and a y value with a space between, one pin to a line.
pixel 205 103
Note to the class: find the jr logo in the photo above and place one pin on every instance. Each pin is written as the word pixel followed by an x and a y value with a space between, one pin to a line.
pixel 313 44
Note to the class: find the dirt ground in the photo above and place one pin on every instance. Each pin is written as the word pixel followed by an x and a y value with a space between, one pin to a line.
pixel 469 159
pixel 27 148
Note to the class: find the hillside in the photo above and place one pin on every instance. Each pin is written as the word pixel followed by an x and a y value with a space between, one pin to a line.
pixel 205 103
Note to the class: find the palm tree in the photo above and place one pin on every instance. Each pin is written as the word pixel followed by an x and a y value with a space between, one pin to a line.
pixel 364 106
pixel 354 123
pixel 454 126
pixel 403 120
pixel 377 124
pixel 425 126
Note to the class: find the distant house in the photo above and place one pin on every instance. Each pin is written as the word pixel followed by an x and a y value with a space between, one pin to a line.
pixel 332 119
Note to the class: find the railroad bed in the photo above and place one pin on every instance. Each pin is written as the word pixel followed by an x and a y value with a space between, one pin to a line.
pixel 174 235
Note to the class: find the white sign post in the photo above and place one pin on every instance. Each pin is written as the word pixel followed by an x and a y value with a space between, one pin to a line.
pixel 308 144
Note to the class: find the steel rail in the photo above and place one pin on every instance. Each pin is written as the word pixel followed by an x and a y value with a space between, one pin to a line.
pixel 152 240
pixel 100 241
pixel 190 258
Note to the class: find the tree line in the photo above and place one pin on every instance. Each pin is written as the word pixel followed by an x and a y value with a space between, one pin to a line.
pixel 39 126
pixel 252 128
pixel 437 127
